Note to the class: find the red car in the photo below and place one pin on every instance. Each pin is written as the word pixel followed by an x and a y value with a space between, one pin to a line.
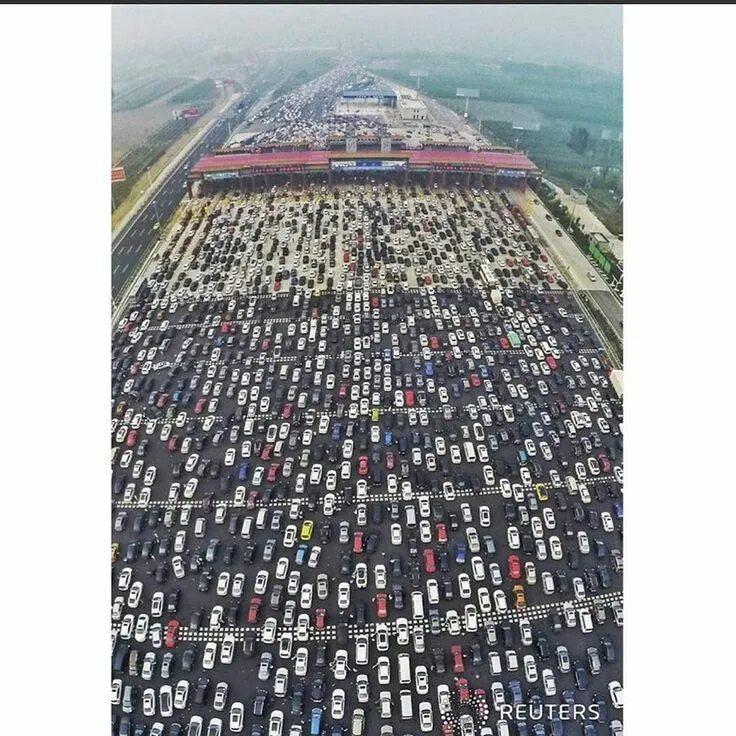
pixel 363 466
pixel 250 502
pixel 605 462
pixel 266 343
pixel 514 567
pixel 358 542
pixel 551 362
pixel 504 343
pixel 132 438
pixel 172 634
pixel 458 666
pixel 409 398
pixel 430 564
pixel 319 619
pixel 463 693
pixel 171 445
pixel 162 401
pixel 375 302
pixel 346 256
pixel 381 607
pixel 266 452
pixel 447 729
pixel 199 406
pixel 277 285
pixel 390 460
pixel 286 411
pixel 441 533
pixel 343 391
pixel 474 380
pixel 434 343
pixel 254 609
pixel 272 472
pixel 225 328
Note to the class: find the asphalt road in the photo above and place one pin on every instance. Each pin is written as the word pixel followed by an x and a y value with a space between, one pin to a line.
pixel 132 245
pixel 241 674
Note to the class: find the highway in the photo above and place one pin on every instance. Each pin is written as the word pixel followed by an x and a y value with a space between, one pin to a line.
pixel 132 245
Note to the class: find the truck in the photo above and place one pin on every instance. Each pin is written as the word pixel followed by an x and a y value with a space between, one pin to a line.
pixel 616 377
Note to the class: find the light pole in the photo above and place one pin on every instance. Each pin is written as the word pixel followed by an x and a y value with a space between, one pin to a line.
pixel 148 171
pixel 158 220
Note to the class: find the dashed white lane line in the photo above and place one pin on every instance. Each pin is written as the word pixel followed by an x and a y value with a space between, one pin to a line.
pixel 329 633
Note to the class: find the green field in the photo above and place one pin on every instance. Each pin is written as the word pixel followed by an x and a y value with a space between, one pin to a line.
pixel 200 91
pixel 141 94
pixel 558 98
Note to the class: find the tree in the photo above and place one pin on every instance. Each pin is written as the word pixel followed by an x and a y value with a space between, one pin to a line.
pixel 579 140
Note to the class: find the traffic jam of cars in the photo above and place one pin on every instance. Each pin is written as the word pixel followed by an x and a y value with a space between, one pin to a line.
pixel 366 477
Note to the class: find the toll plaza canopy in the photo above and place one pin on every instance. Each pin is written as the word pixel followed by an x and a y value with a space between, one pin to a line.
pixel 486 162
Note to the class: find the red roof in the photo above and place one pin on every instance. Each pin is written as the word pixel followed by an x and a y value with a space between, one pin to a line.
pixel 321 159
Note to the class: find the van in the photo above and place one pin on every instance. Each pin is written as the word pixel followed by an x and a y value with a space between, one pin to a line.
pixel 247 528
pixel 404 669
pixel 261 518
pixel 407 710
pixel 469 448
pixel 417 604
pixel 572 484
pixel 411 516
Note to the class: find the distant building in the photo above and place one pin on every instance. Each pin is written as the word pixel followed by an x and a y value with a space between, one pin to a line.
pixel 412 108
pixel 381 95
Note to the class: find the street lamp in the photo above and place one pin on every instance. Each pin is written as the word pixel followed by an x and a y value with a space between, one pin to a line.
pixel 158 219
pixel 148 171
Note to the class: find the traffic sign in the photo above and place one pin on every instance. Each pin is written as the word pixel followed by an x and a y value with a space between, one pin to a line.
pixel 118 173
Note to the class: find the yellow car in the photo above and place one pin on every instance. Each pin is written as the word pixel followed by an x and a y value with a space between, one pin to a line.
pixel 115 552
pixel 307 529
pixel 520 596
pixel 375 415
pixel 542 494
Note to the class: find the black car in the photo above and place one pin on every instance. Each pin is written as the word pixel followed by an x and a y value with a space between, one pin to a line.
pixel 202 690
pixel 438 658
pixel 260 702
pixel 249 644
pixel 317 690
pixel 187 659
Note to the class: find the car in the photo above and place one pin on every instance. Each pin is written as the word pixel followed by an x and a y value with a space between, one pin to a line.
pixel 616 693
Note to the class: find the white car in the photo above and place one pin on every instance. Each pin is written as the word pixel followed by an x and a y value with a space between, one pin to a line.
pixel 281 682
pixel 275 723
pixel 530 668
pixel 548 680
pixel 301 662
pixel 616 693
pixel 361 649
pixel 340 664
pixel 210 654
pixel 426 722
pixel 452 621
pixel 379 573
pixel 513 537
pixel 466 590
pixel 181 694
pixel 444 703
pixel 384 670
pixel 268 631
pixel 421 679
pixel 337 705
pixel 237 714
pixel 343 596
pixel 227 649
pixel 402 631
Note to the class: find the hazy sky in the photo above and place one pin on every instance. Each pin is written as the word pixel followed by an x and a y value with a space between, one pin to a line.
pixel 587 34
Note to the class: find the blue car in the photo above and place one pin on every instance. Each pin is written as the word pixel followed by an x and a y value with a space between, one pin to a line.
pixel 515 692
pixel 483 371
pixel 243 471
pixel 388 438
pixel 460 553
pixel 428 369
pixel 315 725
pixel 336 430
pixel 301 554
